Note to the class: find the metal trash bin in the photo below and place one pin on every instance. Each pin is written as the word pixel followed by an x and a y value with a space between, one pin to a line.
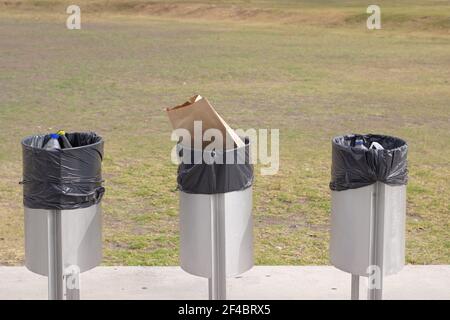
pixel 216 226
pixel 62 191
pixel 368 209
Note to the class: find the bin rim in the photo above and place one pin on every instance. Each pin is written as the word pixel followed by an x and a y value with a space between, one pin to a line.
pixel 335 142
pixel 100 141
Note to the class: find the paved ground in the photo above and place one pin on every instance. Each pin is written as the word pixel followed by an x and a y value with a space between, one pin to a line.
pixel 262 282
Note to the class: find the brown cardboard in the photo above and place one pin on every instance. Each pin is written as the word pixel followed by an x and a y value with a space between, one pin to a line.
pixel 198 108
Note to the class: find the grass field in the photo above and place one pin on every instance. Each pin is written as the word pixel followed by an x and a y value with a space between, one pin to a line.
pixel 309 68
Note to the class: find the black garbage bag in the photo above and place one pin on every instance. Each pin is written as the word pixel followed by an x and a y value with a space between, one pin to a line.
pixel 63 179
pixel 223 171
pixel 355 168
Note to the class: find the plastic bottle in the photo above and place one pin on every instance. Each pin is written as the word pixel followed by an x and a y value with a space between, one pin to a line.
pixel 63 140
pixel 53 143
pixel 359 144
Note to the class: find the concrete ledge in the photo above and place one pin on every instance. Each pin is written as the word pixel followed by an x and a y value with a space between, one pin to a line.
pixel 262 282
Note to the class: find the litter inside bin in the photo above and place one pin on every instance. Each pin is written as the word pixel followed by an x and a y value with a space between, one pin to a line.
pixel 63 140
pixel 62 179
pixel 354 167
pixel 198 108
pixel 376 145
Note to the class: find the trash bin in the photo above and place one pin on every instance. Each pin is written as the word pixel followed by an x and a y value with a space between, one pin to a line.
pixel 62 191
pixel 368 208
pixel 216 227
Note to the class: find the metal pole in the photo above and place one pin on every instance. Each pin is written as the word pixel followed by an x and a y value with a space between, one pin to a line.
pixel 355 287
pixel 55 264
pixel 375 291
pixel 217 282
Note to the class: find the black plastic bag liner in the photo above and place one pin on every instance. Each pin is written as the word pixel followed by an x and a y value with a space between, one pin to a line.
pixel 63 179
pixel 195 175
pixel 355 168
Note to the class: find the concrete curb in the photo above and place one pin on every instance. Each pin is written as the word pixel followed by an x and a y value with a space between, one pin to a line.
pixel 262 282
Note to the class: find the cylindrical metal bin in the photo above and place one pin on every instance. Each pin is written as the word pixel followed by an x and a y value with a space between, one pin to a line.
pixel 368 208
pixel 352 228
pixel 81 233
pixel 216 227
pixel 62 191
pixel 234 210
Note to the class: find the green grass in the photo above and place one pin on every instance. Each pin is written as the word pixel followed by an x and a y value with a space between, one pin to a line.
pixel 312 80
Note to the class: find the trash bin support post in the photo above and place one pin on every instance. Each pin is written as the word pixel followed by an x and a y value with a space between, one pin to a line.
pixel 355 287
pixel 217 282
pixel 55 264
pixel 375 278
